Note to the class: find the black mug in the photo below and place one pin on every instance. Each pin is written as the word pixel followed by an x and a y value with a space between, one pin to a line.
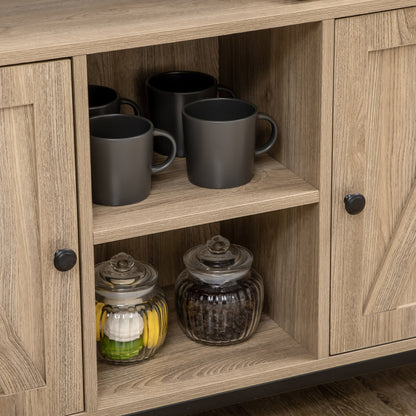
pixel 105 100
pixel 121 158
pixel 220 140
pixel 167 95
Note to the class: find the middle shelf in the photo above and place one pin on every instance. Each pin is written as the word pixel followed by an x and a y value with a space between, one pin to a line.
pixel 175 203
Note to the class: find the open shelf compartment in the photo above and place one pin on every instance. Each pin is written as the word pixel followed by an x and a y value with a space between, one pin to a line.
pixel 278 216
pixel 182 369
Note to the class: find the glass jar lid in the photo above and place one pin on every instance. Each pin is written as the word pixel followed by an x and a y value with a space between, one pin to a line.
pixel 123 278
pixel 218 261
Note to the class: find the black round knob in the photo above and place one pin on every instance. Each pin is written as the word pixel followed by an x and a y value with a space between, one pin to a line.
pixel 354 203
pixel 65 259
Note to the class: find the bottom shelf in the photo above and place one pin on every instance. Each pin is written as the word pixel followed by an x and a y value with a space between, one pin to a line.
pixel 184 370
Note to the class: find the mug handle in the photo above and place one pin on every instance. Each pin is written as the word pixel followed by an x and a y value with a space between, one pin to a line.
pixel 273 137
pixel 221 87
pixel 159 167
pixel 132 104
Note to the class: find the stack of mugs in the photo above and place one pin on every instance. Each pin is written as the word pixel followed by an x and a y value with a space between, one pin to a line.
pixel 216 135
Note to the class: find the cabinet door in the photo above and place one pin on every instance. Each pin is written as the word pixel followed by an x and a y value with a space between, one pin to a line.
pixel 373 295
pixel 40 342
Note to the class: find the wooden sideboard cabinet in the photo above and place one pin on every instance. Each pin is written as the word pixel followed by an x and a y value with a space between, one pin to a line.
pixel 340 289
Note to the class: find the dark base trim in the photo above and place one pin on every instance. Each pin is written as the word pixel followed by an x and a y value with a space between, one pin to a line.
pixel 282 386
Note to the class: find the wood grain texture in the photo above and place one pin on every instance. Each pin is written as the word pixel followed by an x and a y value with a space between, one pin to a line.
pixel 126 71
pixel 38 215
pixel 25 403
pixel 280 71
pixel 18 373
pixel 374 154
pixel 36 30
pixel 399 263
pixel 176 203
pixel 185 370
pixel 325 182
pixel 85 225
pixel 285 250
pixel 288 74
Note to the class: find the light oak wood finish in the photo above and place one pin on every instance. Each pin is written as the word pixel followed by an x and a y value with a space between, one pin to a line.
pixel 399 263
pixel 183 367
pixel 85 226
pixel 36 30
pixel 185 370
pixel 288 74
pixel 38 215
pixel 374 154
pixel 176 203
pixel 278 241
pixel 18 372
pixel 126 71
pixel 25 403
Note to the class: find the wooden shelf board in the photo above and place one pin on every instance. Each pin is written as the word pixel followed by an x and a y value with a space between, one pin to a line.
pixel 34 30
pixel 184 370
pixel 176 203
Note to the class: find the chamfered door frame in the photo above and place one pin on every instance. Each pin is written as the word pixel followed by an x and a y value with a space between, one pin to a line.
pixel 374 153
pixel 41 352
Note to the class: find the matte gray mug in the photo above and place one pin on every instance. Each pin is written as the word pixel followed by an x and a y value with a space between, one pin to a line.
pixel 105 100
pixel 121 158
pixel 220 140
pixel 168 93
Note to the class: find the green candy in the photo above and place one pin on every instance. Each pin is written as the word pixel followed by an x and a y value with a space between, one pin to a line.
pixel 116 350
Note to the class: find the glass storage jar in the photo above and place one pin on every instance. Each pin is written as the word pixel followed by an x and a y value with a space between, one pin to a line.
pixel 131 311
pixel 219 297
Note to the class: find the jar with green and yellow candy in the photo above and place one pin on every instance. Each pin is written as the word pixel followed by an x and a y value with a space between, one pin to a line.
pixel 131 310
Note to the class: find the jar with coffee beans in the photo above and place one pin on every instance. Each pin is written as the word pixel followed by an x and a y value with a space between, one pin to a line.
pixel 219 296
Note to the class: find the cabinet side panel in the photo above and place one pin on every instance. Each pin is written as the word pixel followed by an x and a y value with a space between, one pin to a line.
pixel 279 70
pixel 288 73
pixel 82 143
pixel 285 250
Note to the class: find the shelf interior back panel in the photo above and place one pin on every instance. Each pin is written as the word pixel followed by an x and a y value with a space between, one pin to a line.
pixel 175 203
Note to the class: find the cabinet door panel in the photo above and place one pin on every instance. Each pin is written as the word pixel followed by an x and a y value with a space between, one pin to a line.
pixel 39 306
pixel 373 295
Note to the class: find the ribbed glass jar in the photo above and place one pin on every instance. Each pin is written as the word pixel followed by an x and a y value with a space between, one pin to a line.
pixel 219 314
pixel 131 311
pixel 219 297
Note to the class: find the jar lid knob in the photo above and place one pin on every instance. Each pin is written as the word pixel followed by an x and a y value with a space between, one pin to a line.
pixel 122 262
pixel 218 244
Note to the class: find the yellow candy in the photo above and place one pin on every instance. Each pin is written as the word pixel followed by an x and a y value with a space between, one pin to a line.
pixel 100 320
pixel 154 328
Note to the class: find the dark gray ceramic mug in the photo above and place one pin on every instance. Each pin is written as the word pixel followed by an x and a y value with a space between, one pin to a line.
pixel 220 140
pixel 121 158
pixel 168 93
pixel 105 100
